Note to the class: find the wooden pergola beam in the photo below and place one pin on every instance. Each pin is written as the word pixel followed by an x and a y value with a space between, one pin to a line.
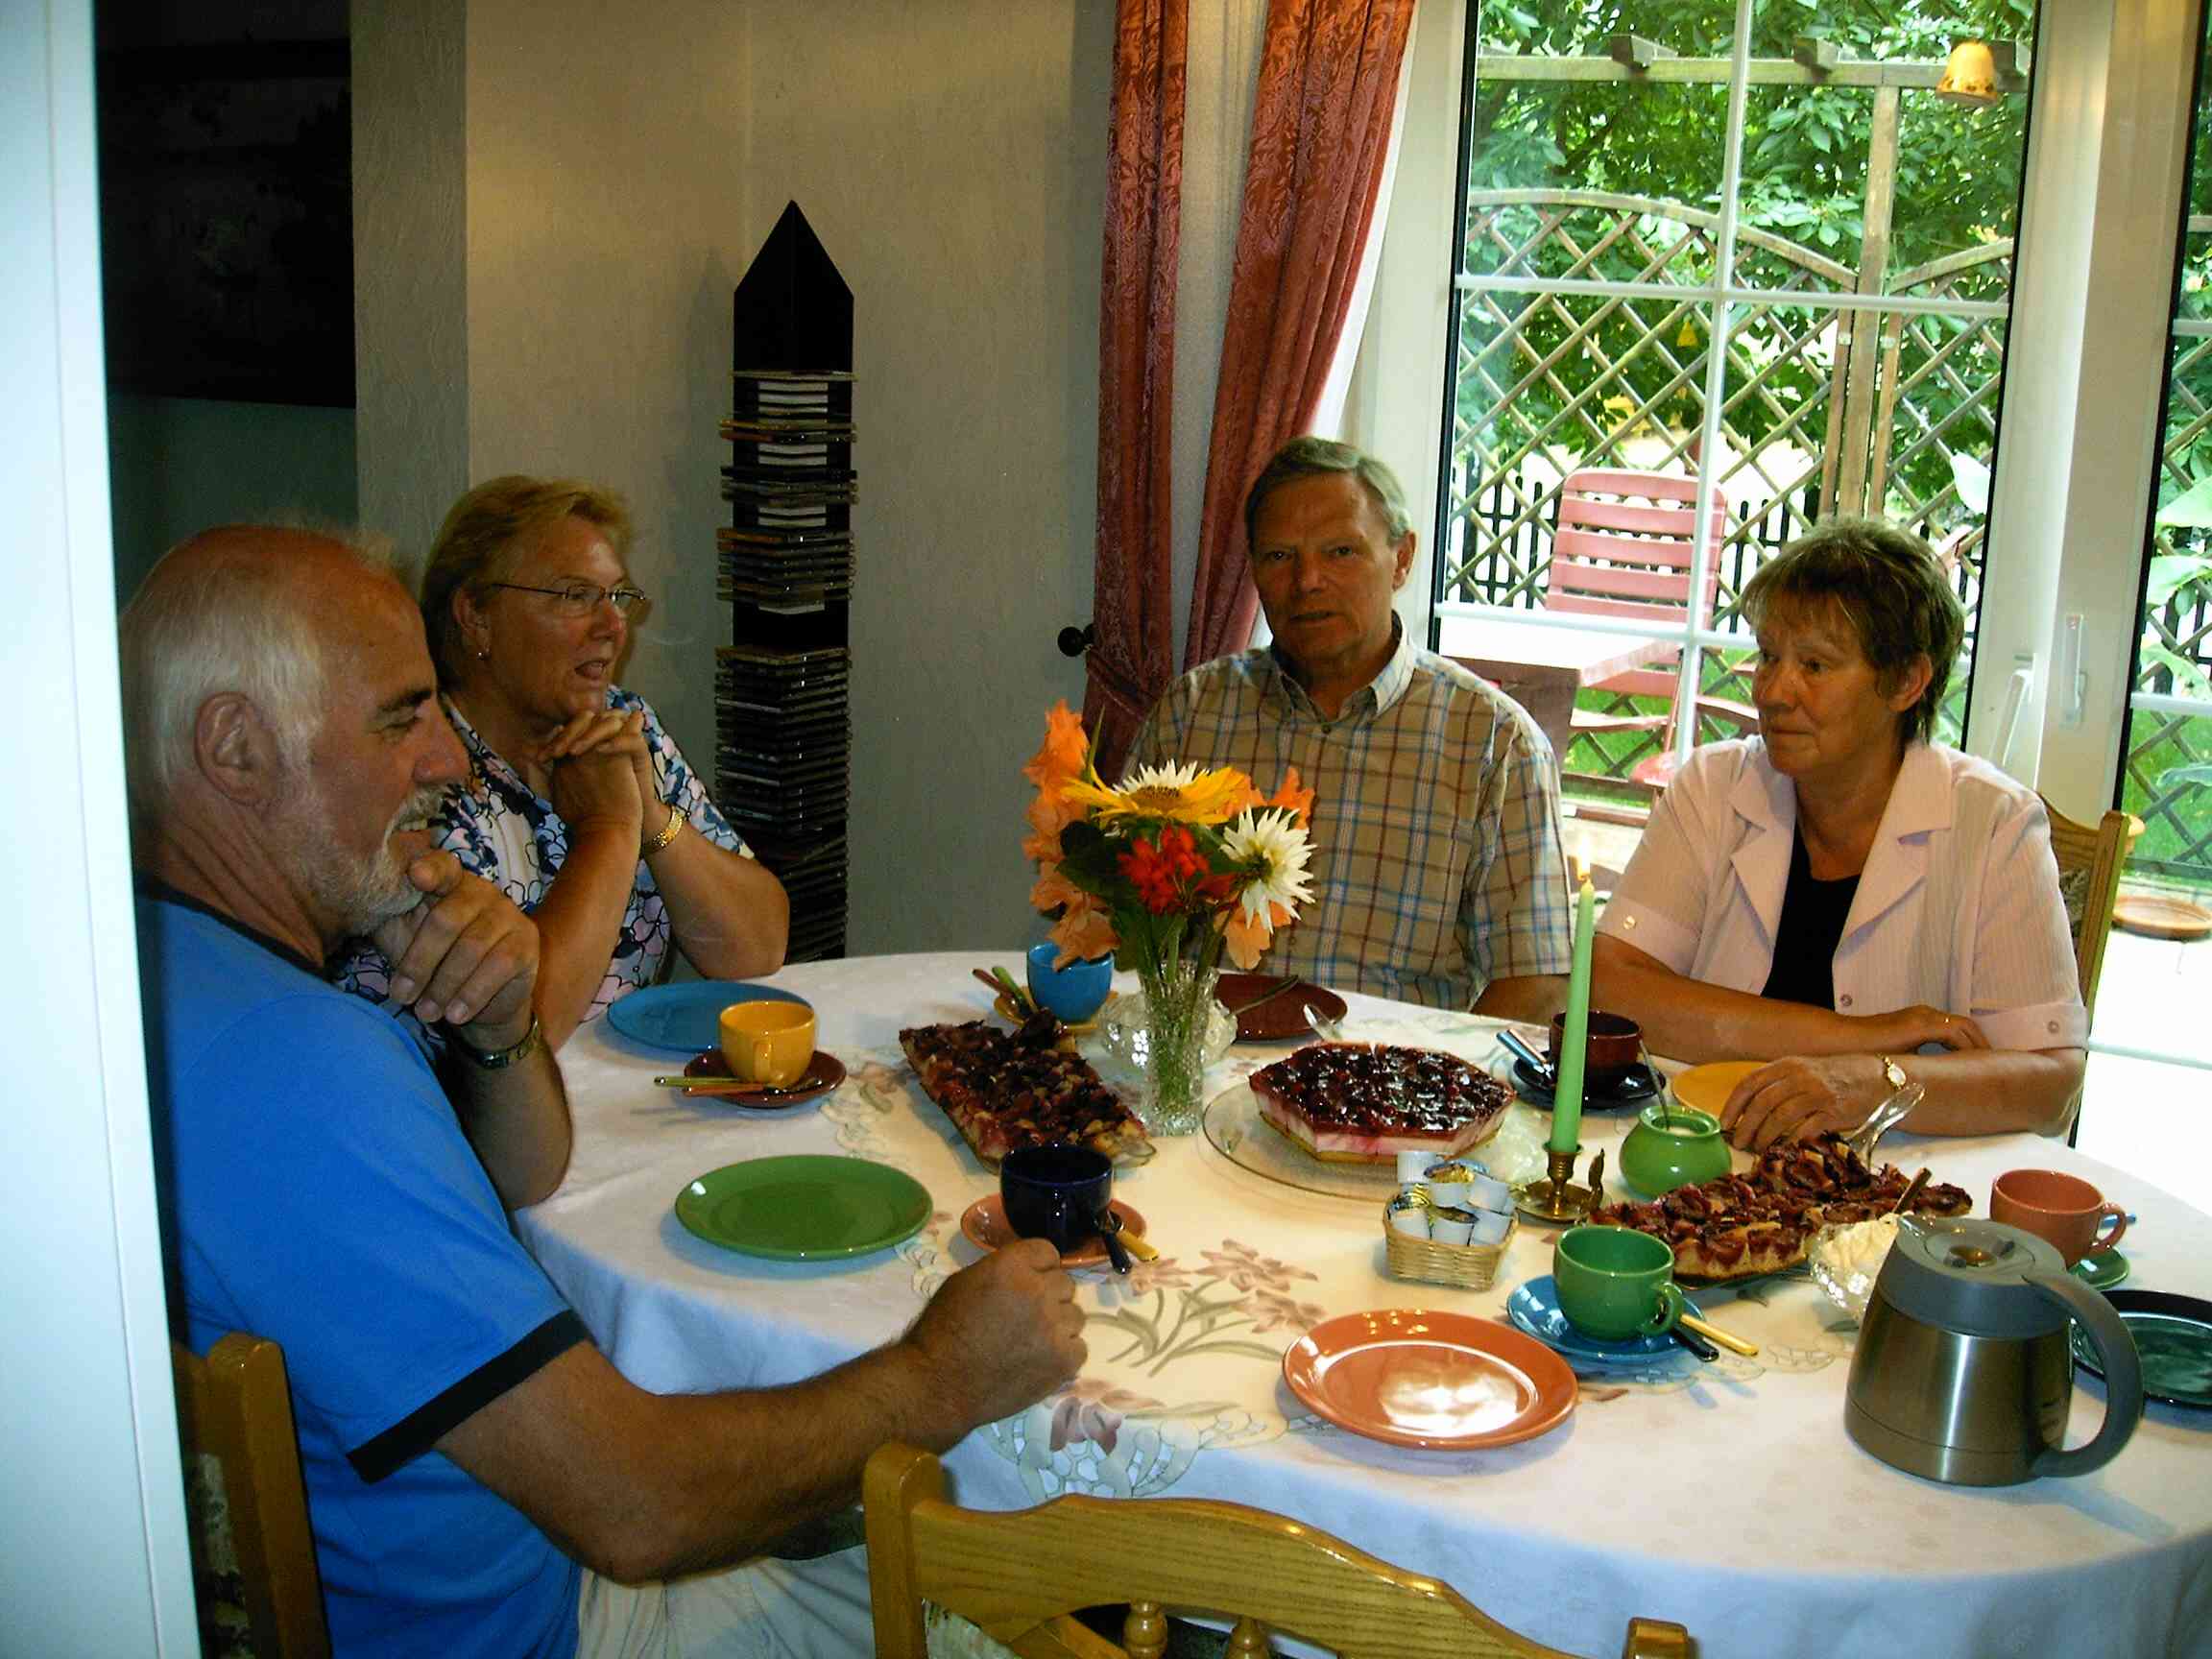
pixel 1715 71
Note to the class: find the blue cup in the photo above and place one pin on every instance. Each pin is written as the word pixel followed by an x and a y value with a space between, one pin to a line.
pixel 1074 993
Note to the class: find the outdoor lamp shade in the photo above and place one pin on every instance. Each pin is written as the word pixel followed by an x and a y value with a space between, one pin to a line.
pixel 1970 74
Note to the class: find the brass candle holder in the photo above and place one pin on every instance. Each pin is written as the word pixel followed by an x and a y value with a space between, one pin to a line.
pixel 1555 1198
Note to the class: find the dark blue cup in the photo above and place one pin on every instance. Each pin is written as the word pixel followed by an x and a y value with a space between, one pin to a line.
pixel 1073 993
pixel 1055 1192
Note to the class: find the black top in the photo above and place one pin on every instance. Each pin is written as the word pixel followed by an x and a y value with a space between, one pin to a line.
pixel 1811 926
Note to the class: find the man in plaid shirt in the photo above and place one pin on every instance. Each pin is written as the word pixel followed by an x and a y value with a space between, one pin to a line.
pixel 1438 872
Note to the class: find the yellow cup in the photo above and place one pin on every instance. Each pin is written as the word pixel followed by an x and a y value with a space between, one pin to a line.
pixel 768 1042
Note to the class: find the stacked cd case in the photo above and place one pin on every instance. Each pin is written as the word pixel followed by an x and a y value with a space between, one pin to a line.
pixel 784 726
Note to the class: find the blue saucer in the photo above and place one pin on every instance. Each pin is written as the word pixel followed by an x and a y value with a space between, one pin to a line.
pixel 1533 1307
pixel 689 1017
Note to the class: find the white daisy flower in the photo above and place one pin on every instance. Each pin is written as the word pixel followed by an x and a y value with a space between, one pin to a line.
pixel 1274 846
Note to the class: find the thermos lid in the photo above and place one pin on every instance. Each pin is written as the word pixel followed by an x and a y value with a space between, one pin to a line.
pixel 1969 1276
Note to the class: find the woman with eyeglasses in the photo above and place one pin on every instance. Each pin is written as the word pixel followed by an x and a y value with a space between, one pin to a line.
pixel 578 805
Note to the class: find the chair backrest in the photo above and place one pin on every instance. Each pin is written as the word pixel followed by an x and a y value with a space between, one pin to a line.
pixel 235 1407
pixel 1624 548
pixel 1018 1575
pixel 2090 861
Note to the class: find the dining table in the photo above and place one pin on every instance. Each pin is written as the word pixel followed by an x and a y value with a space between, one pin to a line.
pixel 1726 1495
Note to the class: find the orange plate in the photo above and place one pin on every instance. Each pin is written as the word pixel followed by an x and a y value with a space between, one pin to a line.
pixel 824 1072
pixel 984 1225
pixel 1707 1087
pixel 1445 1381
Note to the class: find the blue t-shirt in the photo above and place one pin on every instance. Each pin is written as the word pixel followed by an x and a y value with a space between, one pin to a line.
pixel 321 1195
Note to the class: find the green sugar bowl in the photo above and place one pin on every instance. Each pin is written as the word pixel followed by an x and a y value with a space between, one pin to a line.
pixel 1673 1146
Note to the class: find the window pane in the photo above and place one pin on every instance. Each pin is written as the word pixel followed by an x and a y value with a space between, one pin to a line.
pixel 1580 167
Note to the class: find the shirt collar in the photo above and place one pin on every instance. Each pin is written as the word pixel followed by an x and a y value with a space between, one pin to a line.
pixel 154 888
pixel 1373 699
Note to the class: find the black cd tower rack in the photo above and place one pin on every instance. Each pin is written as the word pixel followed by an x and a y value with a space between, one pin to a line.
pixel 784 726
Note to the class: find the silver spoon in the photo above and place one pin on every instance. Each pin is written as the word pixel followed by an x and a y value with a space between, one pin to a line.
pixel 1328 1030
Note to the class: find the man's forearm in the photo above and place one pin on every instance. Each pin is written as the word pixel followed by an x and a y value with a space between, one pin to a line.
pixel 661 1484
pixel 516 1118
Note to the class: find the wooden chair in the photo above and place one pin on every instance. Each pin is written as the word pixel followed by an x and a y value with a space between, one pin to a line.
pixel 1624 548
pixel 2090 863
pixel 2091 858
pixel 1020 1574
pixel 235 1406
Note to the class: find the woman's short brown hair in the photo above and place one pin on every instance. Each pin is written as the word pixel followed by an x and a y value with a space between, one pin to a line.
pixel 476 545
pixel 1889 583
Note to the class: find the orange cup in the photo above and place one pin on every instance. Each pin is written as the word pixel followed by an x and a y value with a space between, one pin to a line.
pixel 2064 1210
pixel 770 1042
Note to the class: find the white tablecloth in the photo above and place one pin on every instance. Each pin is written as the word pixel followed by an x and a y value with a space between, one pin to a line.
pixel 1725 1496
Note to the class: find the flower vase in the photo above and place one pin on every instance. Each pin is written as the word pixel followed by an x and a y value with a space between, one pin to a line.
pixel 1178 1015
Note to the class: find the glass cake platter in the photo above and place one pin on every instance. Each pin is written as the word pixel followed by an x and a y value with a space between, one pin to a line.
pixel 1233 1123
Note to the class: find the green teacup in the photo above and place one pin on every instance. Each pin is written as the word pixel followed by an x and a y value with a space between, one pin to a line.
pixel 1616 1282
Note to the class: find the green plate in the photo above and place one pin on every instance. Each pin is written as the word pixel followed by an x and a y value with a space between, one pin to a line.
pixel 2173 1339
pixel 803 1208
pixel 2103 1270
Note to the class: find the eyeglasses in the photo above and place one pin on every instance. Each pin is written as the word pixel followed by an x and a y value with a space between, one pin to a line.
pixel 582 598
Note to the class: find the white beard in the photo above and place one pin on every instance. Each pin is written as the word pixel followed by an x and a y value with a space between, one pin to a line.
pixel 359 891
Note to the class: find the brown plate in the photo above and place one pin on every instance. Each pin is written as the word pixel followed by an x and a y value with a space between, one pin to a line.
pixel 824 1072
pixel 983 1224
pixel 1282 1015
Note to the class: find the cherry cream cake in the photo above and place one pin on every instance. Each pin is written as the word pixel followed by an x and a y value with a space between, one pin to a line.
pixel 1362 1103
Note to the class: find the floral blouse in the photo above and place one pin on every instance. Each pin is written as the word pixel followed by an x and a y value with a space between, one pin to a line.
pixel 506 832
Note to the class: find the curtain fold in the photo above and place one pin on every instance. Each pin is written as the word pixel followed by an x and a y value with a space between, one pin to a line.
pixel 1327 93
pixel 1132 655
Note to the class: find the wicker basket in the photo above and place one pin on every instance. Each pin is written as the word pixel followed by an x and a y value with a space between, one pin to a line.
pixel 1472 1266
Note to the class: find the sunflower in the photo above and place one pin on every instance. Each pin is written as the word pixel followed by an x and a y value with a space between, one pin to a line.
pixel 1177 794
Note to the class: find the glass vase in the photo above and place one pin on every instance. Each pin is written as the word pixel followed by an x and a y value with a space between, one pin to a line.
pixel 1178 1020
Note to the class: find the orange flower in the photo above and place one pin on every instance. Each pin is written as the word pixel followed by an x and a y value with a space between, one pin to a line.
pixel 1083 937
pixel 1083 930
pixel 1059 757
pixel 1048 817
pixel 1299 800
pixel 1244 938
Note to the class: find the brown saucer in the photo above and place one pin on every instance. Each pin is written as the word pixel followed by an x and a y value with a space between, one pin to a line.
pixel 824 1072
pixel 983 1223
pixel 1283 1016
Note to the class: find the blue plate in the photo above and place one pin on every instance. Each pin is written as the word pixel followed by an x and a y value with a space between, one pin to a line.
pixel 1533 1307
pixel 687 1017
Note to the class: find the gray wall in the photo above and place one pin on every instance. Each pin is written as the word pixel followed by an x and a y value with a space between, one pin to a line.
pixel 177 465
pixel 616 183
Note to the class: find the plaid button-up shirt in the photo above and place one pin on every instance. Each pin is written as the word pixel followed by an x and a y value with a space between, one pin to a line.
pixel 1438 862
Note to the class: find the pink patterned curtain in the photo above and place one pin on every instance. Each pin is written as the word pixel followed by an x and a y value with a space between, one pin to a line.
pixel 1320 140
pixel 1132 652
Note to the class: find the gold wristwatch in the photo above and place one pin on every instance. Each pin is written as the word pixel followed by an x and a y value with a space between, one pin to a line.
pixel 1894 1072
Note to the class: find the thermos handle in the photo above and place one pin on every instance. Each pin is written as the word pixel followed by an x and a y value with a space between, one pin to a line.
pixel 2123 1375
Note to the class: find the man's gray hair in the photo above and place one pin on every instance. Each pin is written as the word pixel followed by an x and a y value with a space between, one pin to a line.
pixel 201 627
pixel 1311 457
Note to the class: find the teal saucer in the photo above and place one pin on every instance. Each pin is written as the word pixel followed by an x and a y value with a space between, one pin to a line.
pixel 2103 1270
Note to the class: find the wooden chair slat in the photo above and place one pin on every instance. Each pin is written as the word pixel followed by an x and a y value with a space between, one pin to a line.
pixel 1012 1572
